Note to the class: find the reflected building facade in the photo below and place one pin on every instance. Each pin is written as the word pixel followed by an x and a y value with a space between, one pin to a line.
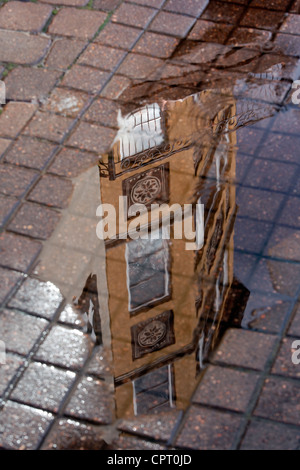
pixel 168 306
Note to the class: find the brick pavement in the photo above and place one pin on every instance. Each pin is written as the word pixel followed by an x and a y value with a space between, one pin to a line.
pixel 66 66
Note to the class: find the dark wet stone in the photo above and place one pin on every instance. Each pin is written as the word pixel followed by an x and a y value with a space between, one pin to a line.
pixel 295 325
pixel 43 386
pixel 279 147
pixel 278 67
pixel 245 349
pixel 18 252
pixel 65 347
pixel 68 434
pixel 139 66
pixel 265 312
pixel 157 45
pixel 91 400
pixel 287 122
pixel 288 44
pixel 131 443
pixel 30 153
pixel 223 12
pixel 275 176
pixel 263 435
pixel 251 235
pixel 159 427
pixel 202 53
pixel 258 18
pixel 16 181
pixel 284 364
pixel 258 204
pixel 208 429
pixel 249 37
pixel 280 400
pixel 9 369
pixel 20 331
pixel 22 426
pixel 35 221
pixel 190 7
pixel 71 162
pixel 41 298
pixel 210 32
pixel 291 24
pixel 151 400
pixel 290 214
pixel 271 4
pixel 8 280
pixel 52 191
pixel 226 388
pixel 284 277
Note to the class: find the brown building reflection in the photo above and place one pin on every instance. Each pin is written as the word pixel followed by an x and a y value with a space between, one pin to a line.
pixel 168 306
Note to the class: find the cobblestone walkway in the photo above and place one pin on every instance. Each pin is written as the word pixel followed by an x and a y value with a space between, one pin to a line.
pixel 68 66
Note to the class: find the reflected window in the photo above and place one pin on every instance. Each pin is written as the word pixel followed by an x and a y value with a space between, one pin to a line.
pixel 148 277
pixel 139 131
pixel 154 392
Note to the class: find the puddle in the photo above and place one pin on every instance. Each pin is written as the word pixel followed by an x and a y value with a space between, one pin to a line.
pixel 154 310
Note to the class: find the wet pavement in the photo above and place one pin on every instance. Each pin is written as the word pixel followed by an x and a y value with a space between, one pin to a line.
pixel 143 344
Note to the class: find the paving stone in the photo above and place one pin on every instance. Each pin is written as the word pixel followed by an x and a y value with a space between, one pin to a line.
pixel 275 176
pixel 52 191
pixel 224 12
pixel 210 32
pixel 20 331
pixel 117 35
pixel 290 214
pixel 131 443
pixel 295 325
pixel 72 162
pixel 246 36
pixel 104 112
pixel 103 57
pixel 287 122
pixel 280 401
pixel 63 53
pixel 265 312
pixel 226 388
pixel 68 434
pixel 258 18
pixel 106 5
pixel 91 400
pixel 172 23
pixel 48 126
pixel 9 369
pixel 66 102
pixel 259 204
pixel 283 364
pixel 99 365
pixel 207 429
pixel 75 3
pixel 291 25
pixel 133 15
pixel 157 45
pixel 288 44
pixel 190 7
pixel 114 89
pixel 24 83
pixel 4 144
pixel 65 347
pixel 18 252
pixel 82 24
pixel 245 349
pixel 22 48
pixel 272 4
pixel 24 16
pixel 251 235
pixel 41 298
pixel 8 280
pixel 263 435
pixel 31 153
pixel 7 204
pixel 35 221
pixel 23 426
pixel 279 147
pixel 91 137
pixel 15 181
pixel 150 3
pixel 43 386
pixel 15 117
pixel 159 427
pixel 139 66
pixel 85 78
